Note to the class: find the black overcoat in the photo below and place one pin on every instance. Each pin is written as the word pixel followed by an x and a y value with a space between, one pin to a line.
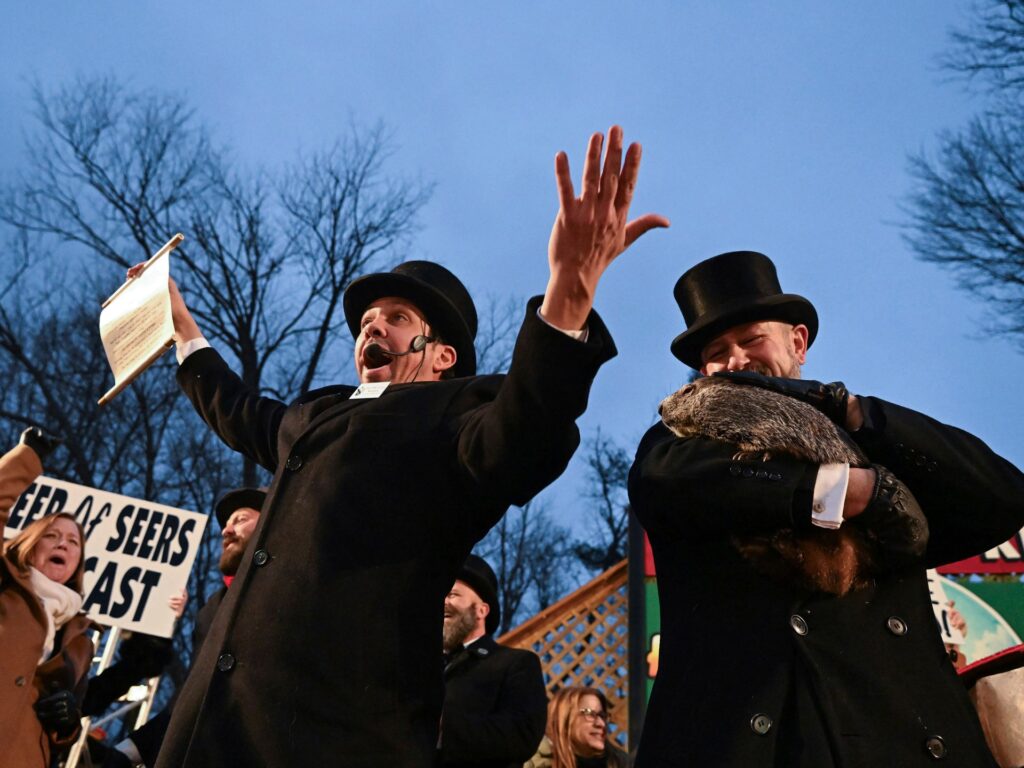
pixel 325 650
pixel 149 737
pixel 495 707
pixel 758 673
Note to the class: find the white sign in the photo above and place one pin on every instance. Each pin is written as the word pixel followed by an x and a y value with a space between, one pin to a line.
pixel 137 554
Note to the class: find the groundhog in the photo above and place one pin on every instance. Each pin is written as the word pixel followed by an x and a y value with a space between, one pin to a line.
pixel 762 424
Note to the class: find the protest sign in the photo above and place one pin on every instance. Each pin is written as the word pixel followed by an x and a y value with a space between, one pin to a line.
pixel 137 554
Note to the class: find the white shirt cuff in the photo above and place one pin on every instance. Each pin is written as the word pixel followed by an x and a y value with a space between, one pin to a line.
pixel 830 495
pixel 578 335
pixel 183 350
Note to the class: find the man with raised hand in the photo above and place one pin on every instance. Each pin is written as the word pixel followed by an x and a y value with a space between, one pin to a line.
pixel 324 651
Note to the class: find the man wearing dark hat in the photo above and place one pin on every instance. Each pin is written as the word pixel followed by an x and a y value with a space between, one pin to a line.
pixel 495 704
pixel 238 512
pixel 757 670
pixel 324 651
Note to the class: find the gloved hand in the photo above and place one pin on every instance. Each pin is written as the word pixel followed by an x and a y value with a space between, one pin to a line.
pixel 830 399
pixel 894 519
pixel 39 441
pixel 59 713
pixel 146 655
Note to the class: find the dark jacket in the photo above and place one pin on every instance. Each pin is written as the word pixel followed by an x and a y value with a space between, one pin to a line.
pixel 324 651
pixel 495 707
pixel 753 672
pixel 150 736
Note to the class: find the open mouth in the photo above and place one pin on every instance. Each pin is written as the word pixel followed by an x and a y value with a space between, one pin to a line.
pixel 58 559
pixel 375 356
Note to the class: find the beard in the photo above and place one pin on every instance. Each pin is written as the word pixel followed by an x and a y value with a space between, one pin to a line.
pixel 230 559
pixel 457 628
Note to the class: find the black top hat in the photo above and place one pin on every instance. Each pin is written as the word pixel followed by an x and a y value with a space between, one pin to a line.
pixel 443 299
pixel 479 575
pixel 236 499
pixel 731 289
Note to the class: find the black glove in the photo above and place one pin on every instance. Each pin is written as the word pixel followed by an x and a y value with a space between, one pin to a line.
pixel 147 655
pixel 59 713
pixel 895 520
pixel 830 399
pixel 40 442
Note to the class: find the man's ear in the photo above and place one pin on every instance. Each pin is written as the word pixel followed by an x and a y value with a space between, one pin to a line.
pixel 444 357
pixel 486 609
pixel 799 335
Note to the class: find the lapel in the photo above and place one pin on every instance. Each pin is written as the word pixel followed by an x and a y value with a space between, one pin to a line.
pixel 332 402
pixel 477 651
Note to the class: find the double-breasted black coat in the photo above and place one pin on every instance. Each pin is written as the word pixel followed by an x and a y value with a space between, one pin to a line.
pixel 758 673
pixel 325 649
pixel 495 707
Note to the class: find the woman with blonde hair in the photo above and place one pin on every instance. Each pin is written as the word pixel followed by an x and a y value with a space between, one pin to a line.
pixel 45 652
pixel 577 733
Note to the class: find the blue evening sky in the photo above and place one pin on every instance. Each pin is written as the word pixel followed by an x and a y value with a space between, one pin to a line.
pixel 782 127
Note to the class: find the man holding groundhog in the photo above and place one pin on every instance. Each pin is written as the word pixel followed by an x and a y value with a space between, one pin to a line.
pixel 761 669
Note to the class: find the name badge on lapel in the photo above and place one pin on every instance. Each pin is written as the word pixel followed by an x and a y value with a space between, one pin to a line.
pixel 370 390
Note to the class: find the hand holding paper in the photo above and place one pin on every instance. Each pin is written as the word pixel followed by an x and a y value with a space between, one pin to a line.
pixel 136 323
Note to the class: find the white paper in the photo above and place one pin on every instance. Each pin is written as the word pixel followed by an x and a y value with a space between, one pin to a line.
pixel 136 326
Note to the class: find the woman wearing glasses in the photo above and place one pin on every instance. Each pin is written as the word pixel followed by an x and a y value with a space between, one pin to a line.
pixel 577 733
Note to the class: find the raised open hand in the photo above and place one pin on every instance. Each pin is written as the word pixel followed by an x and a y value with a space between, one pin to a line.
pixel 591 230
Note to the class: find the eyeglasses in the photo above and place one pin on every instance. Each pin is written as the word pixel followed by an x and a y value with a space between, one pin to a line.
pixel 590 715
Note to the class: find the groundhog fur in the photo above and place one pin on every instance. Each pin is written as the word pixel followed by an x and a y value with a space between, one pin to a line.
pixel 762 424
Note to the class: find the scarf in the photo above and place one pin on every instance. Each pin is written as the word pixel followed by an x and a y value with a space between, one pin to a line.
pixel 60 603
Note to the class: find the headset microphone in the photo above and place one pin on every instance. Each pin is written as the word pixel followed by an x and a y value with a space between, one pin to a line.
pixel 377 356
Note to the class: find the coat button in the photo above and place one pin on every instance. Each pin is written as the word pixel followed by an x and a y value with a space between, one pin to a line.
pixel 936 747
pixel 760 724
pixel 19 681
pixel 261 557
pixel 748 472
pixel 734 470
pixel 226 662
pixel 897 626
pixel 294 462
pixel 761 475
pixel 775 476
pixel 799 624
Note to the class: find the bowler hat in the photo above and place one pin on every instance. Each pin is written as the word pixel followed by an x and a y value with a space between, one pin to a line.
pixel 443 299
pixel 480 576
pixel 731 289
pixel 236 499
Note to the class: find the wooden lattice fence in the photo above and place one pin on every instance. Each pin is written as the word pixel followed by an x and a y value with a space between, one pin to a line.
pixel 583 639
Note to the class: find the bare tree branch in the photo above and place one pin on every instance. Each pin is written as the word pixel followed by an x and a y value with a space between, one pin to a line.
pixel 966 211
pixel 608 517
